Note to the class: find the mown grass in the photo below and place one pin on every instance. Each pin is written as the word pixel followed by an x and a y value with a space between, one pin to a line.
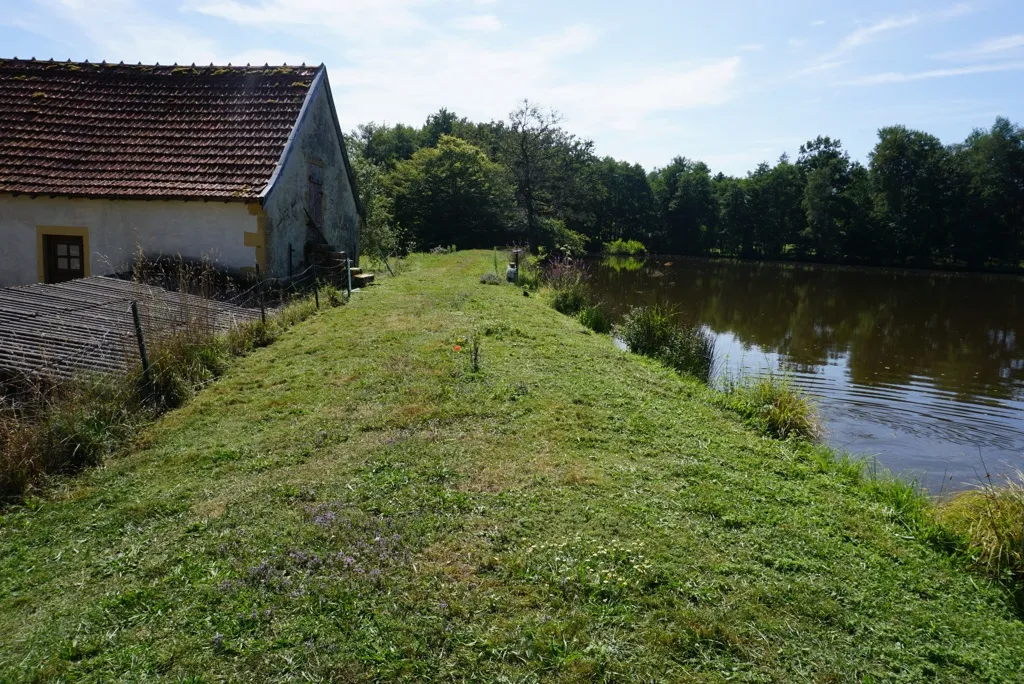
pixel 356 503
pixel 59 428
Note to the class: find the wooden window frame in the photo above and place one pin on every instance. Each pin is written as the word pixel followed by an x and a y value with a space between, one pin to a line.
pixel 61 231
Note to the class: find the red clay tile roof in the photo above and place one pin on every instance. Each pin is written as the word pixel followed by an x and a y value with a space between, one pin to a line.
pixel 145 132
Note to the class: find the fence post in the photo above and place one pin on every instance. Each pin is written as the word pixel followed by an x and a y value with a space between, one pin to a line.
pixel 263 304
pixel 142 343
pixel 348 271
pixel 316 293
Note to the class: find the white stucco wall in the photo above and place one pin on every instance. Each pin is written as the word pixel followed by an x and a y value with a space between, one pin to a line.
pixel 316 138
pixel 214 230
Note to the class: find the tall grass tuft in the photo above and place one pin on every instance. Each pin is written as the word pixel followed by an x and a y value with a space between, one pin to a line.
pixel 654 331
pixel 595 317
pixel 990 520
pixel 774 406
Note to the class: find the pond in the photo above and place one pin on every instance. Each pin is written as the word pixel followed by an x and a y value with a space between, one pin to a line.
pixel 920 369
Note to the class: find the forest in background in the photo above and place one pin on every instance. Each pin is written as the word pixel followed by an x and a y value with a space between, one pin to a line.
pixel 528 180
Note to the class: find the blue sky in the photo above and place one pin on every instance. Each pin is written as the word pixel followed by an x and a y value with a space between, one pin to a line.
pixel 730 82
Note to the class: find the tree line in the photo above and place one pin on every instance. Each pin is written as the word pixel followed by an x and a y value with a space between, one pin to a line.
pixel 528 180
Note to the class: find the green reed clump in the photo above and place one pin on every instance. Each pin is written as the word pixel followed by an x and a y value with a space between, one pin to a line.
pixel 595 317
pixel 654 331
pixel 775 407
pixel 625 248
pixel 990 520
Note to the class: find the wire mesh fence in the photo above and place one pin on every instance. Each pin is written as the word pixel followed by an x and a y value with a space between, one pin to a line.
pixel 50 333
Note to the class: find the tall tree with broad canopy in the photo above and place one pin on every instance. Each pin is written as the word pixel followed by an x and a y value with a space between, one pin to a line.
pixel 453 194
pixel 909 171
pixel 550 168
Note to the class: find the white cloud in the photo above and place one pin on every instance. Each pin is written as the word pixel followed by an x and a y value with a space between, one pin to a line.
pixel 750 47
pixel 484 81
pixel 352 19
pixel 822 66
pixel 993 47
pixel 903 77
pixel 743 159
pixel 872 32
pixel 480 22
pixel 882 28
pixel 400 60
pixel 818 22
pixel 623 101
pixel 122 30
pixel 960 10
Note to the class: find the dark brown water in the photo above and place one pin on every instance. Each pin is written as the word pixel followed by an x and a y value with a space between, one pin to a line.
pixel 923 370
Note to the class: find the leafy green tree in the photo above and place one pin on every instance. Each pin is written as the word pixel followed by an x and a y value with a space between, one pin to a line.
pixel 861 238
pixel 444 122
pixel 626 207
pixel 379 235
pixel 684 194
pixel 824 207
pixel 777 195
pixel 908 169
pixel 453 194
pixel 992 163
pixel 826 167
pixel 550 169
pixel 735 234
pixel 385 145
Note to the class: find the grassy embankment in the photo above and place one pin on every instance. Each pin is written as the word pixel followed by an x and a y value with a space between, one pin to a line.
pixel 354 502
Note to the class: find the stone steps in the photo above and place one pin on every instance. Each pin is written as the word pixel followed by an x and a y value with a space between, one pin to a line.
pixel 361 279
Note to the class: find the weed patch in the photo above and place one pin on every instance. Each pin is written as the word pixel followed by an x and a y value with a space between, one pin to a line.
pixel 773 406
pixel 654 331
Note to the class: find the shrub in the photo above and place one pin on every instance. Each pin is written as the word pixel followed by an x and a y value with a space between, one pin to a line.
pixel 572 299
pixel 490 279
pixel 990 520
pixel 691 350
pixel 773 406
pixel 596 318
pixel 625 248
pixel 561 240
pixel 647 329
pixel 654 331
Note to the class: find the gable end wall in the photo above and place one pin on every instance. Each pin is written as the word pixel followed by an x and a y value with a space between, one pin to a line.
pixel 316 138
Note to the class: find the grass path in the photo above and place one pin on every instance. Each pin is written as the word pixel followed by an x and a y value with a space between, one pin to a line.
pixel 355 503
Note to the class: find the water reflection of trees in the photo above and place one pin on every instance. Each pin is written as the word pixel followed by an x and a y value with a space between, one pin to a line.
pixel 961 331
